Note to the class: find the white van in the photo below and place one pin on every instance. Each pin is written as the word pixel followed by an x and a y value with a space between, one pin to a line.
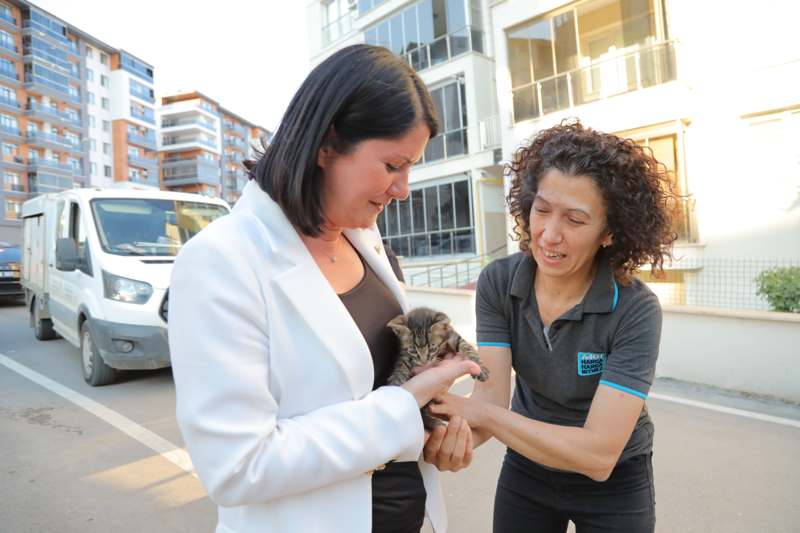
pixel 96 265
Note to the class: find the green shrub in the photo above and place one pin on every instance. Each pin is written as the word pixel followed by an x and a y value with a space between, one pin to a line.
pixel 781 288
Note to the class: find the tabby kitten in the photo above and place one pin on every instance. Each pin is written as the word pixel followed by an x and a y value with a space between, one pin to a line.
pixel 426 337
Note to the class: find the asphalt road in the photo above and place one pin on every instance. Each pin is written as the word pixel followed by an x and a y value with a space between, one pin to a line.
pixel 66 469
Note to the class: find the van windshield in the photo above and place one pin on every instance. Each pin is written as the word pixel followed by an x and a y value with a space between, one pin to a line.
pixel 141 226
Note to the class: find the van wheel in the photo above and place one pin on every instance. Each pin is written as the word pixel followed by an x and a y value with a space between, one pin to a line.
pixel 95 371
pixel 42 327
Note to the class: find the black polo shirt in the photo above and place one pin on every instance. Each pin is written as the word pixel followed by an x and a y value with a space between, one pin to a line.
pixel 611 337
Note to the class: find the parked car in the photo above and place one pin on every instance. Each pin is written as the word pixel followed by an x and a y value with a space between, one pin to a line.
pixel 96 269
pixel 10 259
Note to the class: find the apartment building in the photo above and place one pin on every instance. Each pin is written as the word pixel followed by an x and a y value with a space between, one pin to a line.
pixel 68 106
pixel 455 210
pixel 203 146
pixel 717 105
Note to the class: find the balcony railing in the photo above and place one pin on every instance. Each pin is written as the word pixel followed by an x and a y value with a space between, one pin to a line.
pixel 14 187
pixel 38 137
pixel 34 109
pixel 55 165
pixel 210 126
pixel 642 68
pixel 445 48
pixel 8 18
pixel 10 130
pixel 9 102
pixel 188 140
pixel 148 141
pixel 145 115
pixel 9 74
pixel 142 161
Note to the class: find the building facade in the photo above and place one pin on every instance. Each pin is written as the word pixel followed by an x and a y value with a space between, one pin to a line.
pixel 68 103
pixel 719 109
pixel 203 146
pixel 455 208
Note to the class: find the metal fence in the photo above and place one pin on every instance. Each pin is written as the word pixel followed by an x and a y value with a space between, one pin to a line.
pixel 725 283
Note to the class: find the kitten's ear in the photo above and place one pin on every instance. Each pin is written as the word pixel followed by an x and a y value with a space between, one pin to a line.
pixel 399 326
pixel 441 324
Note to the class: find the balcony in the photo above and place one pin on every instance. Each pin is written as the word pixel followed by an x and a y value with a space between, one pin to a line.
pixel 182 143
pixel 39 165
pixel 142 95
pixel 41 85
pixel 151 165
pixel 52 141
pixel 9 104
pixel 8 22
pixel 8 48
pixel 633 71
pixel 145 115
pixel 235 129
pixel 10 132
pixel 145 141
pixel 12 162
pixel 171 125
pixel 8 74
pixel 15 188
pixel 30 26
pixel 51 114
pixel 192 175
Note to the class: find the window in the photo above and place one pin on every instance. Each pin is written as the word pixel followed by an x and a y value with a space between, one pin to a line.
pixel 106 148
pixel 106 125
pixel 430 32
pixel 451 107
pixel 93 167
pixel 91 121
pixel 93 144
pixel 433 220
pixel 103 58
pixel 104 80
pixel 90 96
pixel 337 19
pixel 89 52
pixel 11 152
pixel 12 182
pixel 8 95
pixel 89 74
pixel 13 209
pixel 104 103
pixel 366 5
pixel 597 49
pixel 9 123
pixel 107 171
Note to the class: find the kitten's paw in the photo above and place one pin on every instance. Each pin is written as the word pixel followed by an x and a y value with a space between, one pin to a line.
pixel 484 375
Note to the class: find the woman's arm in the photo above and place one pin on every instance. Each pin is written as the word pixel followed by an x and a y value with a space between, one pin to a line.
pixel 592 450
pixel 244 452
pixel 497 389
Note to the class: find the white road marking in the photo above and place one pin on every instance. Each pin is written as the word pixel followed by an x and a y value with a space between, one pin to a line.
pixel 728 410
pixel 169 451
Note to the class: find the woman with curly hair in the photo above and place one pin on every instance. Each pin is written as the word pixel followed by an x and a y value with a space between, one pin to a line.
pixel 581 333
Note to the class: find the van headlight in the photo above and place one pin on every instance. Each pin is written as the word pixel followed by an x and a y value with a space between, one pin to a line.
pixel 126 290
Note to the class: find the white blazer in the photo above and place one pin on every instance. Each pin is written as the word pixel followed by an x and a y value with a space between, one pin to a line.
pixel 274 380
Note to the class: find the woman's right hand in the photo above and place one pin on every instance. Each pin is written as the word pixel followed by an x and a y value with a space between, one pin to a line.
pixel 437 380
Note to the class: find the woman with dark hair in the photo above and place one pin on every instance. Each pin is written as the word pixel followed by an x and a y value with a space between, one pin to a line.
pixel 278 313
pixel 580 331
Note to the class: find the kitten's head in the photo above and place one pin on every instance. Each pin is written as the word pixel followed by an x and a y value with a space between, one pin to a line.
pixel 423 332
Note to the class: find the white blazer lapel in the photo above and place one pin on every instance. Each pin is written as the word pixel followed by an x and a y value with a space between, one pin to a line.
pixel 321 311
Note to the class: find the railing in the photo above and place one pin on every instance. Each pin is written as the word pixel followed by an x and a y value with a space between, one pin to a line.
pixel 34 107
pixel 9 130
pixel 453 274
pixel 9 73
pixel 41 136
pixel 147 140
pixel 9 45
pixel 168 123
pixel 645 67
pixel 142 161
pixel 146 115
pixel 445 48
pixel 188 140
pixel 8 18
pixel 14 187
pixel 51 164
pixel 491 136
pixel 10 102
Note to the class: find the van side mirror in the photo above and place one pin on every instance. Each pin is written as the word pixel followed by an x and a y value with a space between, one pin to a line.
pixel 66 255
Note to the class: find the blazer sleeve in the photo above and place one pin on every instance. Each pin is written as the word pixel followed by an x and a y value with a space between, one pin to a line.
pixel 242 451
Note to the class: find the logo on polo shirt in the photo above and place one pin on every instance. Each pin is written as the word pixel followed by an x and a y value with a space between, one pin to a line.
pixel 590 363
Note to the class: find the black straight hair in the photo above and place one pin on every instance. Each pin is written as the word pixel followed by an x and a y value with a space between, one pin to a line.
pixel 360 92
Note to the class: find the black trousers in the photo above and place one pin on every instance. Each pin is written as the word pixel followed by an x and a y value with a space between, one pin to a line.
pixel 533 499
pixel 398 499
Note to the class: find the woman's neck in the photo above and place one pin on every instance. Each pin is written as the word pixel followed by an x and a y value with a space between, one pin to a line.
pixel 569 290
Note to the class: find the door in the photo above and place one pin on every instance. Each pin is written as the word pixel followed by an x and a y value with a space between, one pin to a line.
pixel 65 292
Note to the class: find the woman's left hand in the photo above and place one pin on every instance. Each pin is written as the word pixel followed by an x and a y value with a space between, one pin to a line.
pixel 449 447
pixel 449 406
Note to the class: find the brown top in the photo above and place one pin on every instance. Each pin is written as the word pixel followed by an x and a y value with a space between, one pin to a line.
pixel 398 494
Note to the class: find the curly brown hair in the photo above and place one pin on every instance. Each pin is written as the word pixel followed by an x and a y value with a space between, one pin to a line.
pixel 637 191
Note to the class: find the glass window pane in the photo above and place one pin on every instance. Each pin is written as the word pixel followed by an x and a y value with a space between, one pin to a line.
pixel 425 11
pixel 435 149
pixel 396 31
pixel 463 104
pixel 400 246
pixel 404 207
pixel 438 102
pixel 519 58
pixel 446 206
pixel 459 42
pixel 565 45
pixel 456 143
pixel 464 242
pixel 456 15
pixel 432 208
pixel 664 151
pixel 418 210
pixel 452 113
pixel 461 202
pixel 638 22
pixel 446 246
pixel 525 104
pixel 542 50
pixel 391 219
pixel 371 36
pixel 477 40
pixel 439 18
pixel 438 50
pixel 383 35
pixel 555 94
pixel 420 245
pixel 436 243
pixel 410 26
pixel 364 5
